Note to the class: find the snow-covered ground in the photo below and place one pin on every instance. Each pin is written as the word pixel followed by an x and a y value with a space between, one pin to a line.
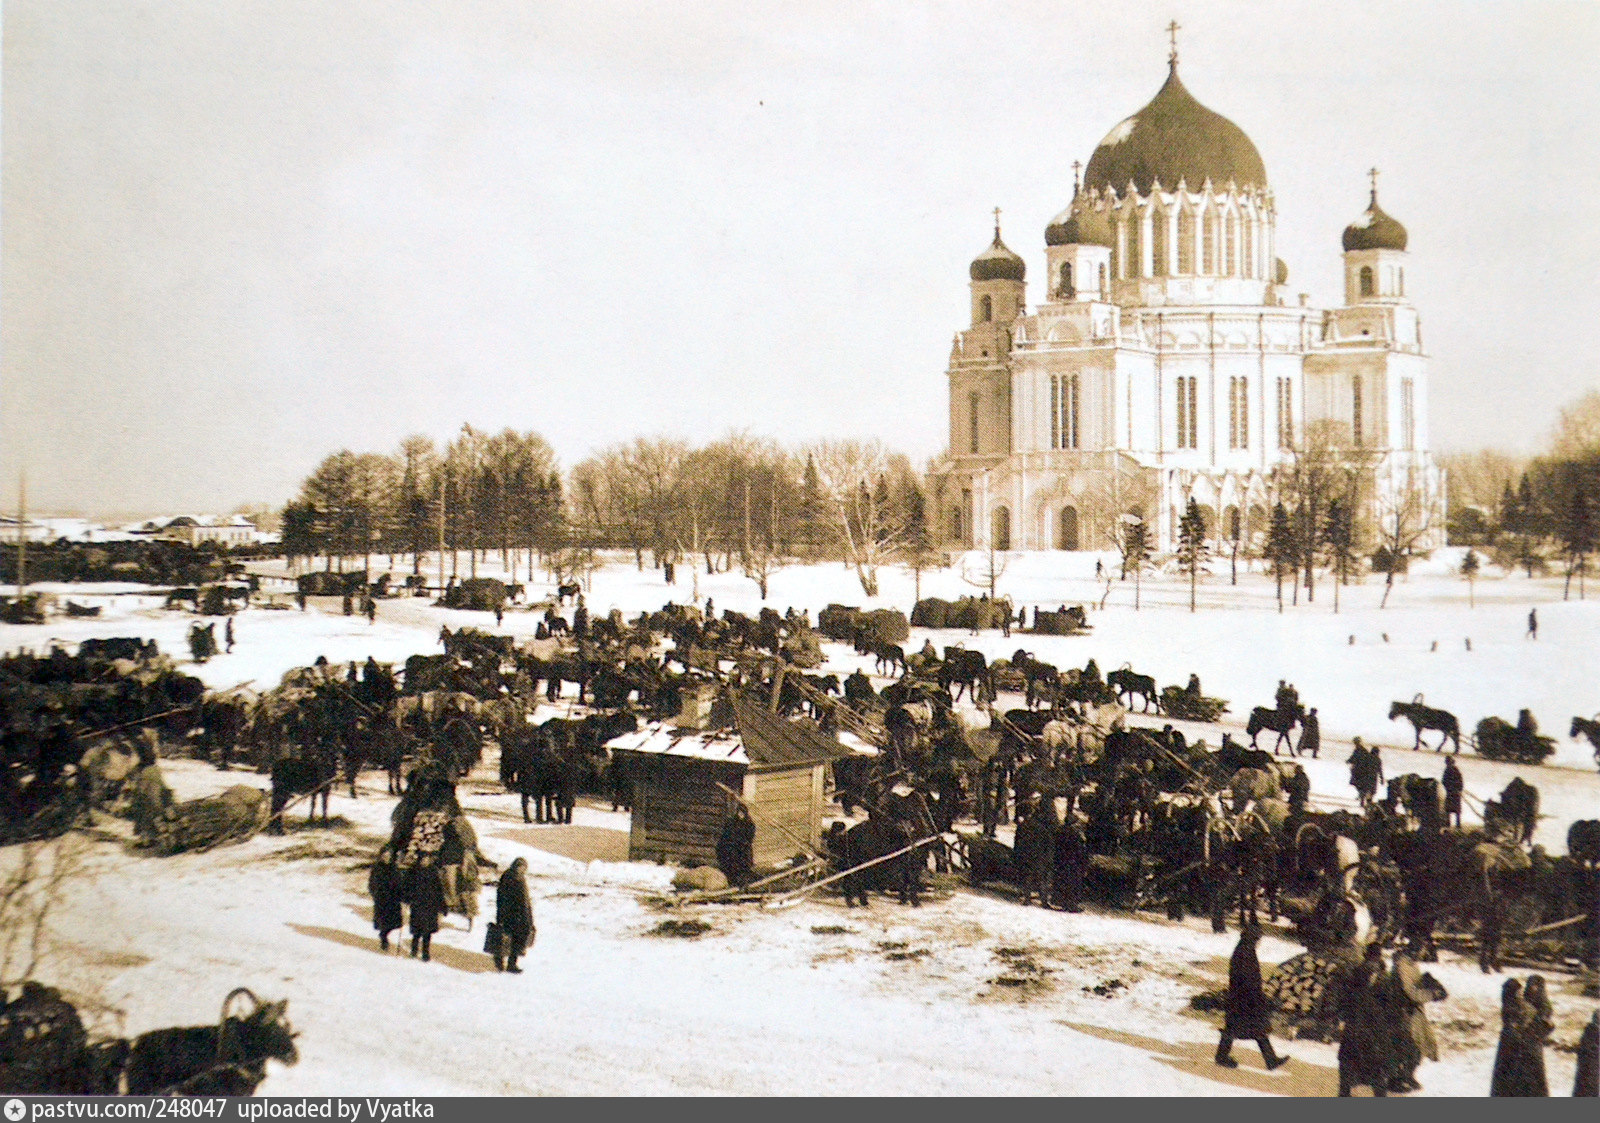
pixel 816 998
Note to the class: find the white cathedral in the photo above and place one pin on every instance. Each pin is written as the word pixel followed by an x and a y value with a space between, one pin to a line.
pixel 1167 361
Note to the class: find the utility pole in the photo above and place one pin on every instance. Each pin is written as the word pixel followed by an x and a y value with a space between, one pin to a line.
pixel 22 533
pixel 441 533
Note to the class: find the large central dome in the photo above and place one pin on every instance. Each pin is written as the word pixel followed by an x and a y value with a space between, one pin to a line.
pixel 1175 138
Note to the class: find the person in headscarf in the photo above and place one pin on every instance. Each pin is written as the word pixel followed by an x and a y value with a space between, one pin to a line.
pixel 1247 1014
pixel 384 883
pixel 1415 1036
pixel 1519 1057
pixel 514 914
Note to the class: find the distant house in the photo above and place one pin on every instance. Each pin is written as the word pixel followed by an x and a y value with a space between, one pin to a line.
pixel 192 530
pixel 682 778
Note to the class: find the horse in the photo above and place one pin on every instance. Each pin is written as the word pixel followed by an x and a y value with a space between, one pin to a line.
pixel 313 774
pixel 1589 728
pixel 1426 717
pixel 567 592
pixel 1519 806
pixel 1126 682
pixel 888 655
pixel 229 1058
pixel 1281 722
pixel 966 669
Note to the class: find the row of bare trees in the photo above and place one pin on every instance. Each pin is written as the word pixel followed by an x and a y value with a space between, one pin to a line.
pixel 741 500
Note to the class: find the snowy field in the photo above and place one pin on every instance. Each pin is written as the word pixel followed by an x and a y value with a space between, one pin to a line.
pixel 969 994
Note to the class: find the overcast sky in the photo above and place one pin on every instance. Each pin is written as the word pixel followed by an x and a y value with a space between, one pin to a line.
pixel 238 236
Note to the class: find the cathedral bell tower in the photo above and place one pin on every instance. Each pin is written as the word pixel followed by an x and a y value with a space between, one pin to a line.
pixel 1078 252
pixel 1374 256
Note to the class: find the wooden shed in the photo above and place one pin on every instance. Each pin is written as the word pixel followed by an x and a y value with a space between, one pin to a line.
pixel 777 766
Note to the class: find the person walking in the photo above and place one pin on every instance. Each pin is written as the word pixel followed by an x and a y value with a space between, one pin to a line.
pixel 1362 778
pixel 371 606
pixel 1453 785
pixel 1519 1056
pixel 1365 1044
pixel 514 915
pixel 1247 1014
pixel 1310 735
pixel 427 905
pixel 227 635
pixel 1533 623
pixel 383 883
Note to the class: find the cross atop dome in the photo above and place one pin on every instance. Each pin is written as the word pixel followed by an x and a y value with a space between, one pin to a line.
pixel 1372 174
pixel 997 224
pixel 1172 33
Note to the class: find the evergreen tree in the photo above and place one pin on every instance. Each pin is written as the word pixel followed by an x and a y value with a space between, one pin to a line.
pixel 1338 535
pixel 1135 550
pixel 1577 522
pixel 1469 570
pixel 812 514
pixel 1192 546
pixel 1280 546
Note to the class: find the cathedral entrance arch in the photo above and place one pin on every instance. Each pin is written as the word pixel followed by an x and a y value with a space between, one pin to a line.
pixel 1000 529
pixel 1067 530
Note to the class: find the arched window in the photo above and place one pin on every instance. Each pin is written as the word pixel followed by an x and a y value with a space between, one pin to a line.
pixel 1208 244
pixel 1067 529
pixel 1067 291
pixel 1102 281
pixel 1247 252
pixel 985 310
pixel 1185 242
pixel 1135 254
pixel 1366 280
pixel 1158 243
pixel 1402 280
pixel 1230 246
pixel 1001 528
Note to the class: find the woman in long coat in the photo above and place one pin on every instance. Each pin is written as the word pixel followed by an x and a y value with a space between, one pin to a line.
pixel 384 885
pixel 1587 1080
pixel 514 914
pixel 1248 1015
pixel 1519 1059
pixel 427 905
pixel 1416 1037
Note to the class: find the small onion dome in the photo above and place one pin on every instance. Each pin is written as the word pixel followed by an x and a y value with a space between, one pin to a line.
pixel 1374 230
pixel 997 263
pixel 1078 226
pixel 1280 272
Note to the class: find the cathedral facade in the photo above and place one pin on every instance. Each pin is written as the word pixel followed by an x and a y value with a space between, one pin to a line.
pixel 1167 360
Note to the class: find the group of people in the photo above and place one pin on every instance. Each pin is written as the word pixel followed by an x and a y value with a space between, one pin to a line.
pixel 422 888
pixel 1384 1034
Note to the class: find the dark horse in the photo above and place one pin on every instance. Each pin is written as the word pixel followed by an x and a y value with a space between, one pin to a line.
pixel 1590 728
pixel 1127 682
pixel 226 1059
pixel 313 774
pixel 1426 717
pixel 1281 722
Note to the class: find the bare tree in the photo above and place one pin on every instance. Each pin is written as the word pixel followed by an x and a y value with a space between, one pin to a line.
pixel 867 527
pixel 1405 515
pixel 33 880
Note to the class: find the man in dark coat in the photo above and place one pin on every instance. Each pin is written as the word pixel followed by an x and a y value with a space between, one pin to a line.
pixel 1035 849
pixel 1366 1044
pixel 1071 864
pixel 1310 735
pixel 1585 1082
pixel 427 905
pixel 1247 1014
pixel 383 883
pixel 735 848
pixel 514 914
pixel 1298 789
pixel 1453 785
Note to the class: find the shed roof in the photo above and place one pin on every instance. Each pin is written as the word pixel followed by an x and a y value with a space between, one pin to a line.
pixel 760 740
